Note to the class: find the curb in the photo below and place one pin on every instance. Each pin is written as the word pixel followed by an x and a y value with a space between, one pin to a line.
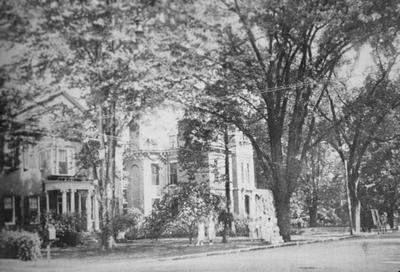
pixel 255 248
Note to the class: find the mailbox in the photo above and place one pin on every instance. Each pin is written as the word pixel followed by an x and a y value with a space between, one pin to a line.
pixel 52 232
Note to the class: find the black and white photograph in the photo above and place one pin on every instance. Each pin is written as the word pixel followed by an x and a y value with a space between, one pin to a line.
pixel 209 135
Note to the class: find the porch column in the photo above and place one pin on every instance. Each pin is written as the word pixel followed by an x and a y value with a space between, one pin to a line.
pixel 64 201
pixel 13 209
pixel 96 212
pixel 22 209
pixel 79 202
pixel 47 202
pixel 72 201
pixel 38 200
pixel 89 211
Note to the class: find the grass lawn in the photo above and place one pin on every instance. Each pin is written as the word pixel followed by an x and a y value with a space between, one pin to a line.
pixel 140 249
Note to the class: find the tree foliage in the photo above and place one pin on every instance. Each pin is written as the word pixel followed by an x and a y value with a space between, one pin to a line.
pixel 321 188
pixel 182 207
pixel 272 61
pixel 380 184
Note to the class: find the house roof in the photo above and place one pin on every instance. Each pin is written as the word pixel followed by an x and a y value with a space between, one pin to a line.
pixel 50 98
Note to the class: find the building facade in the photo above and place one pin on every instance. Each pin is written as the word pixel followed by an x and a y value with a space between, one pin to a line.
pixel 152 164
pixel 43 177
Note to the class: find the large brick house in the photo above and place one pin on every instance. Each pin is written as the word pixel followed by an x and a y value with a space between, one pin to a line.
pixel 44 176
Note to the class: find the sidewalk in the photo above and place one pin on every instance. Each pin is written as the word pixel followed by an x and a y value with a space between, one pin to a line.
pixel 308 236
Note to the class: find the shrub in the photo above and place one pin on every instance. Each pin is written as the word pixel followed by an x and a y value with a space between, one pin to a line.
pixel 128 222
pixel 155 224
pixel 20 244
pixel 181 208
pixel 241 227
pixel 68 228
pixel 225 219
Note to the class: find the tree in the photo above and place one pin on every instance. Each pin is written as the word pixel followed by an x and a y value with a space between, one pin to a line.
pixel 320 188
pixel 273 60
pixel 182 207
pixel 98 47
pixel 16 70
pixel 362 120
pixel 379 186
pixel 201 134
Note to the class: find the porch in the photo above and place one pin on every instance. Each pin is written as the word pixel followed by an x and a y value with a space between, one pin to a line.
pixel 69 195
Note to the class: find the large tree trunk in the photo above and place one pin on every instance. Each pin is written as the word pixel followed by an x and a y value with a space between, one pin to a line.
pixel 354 200
pixel 283 214
pixel 227 225
pixel 103 184
pixel 111 175
pixel 2 153
pixel 312 211
pixel 356 212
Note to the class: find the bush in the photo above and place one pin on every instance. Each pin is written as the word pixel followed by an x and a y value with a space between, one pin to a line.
pixel 241 227
pixel 155 224
pixel 68 228
pixel 128 222
pixel 20 244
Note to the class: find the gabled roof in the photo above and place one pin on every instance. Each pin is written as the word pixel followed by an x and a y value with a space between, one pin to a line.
pixel 50 98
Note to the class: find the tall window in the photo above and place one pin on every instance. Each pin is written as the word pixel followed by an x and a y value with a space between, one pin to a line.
pixel 155 174
pixel 42 159
pixel 247 204
pixel 25 157
pixel 8 209
pixel 34 209
pixel 248 173
pixel 12 161
pixel 62 162
pixel 173 141
pixel 242 171
pixel 173 173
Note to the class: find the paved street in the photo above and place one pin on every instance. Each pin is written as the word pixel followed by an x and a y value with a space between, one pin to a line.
pixel 380 253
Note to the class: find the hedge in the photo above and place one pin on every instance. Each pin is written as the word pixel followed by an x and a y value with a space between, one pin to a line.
pixel 19 244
